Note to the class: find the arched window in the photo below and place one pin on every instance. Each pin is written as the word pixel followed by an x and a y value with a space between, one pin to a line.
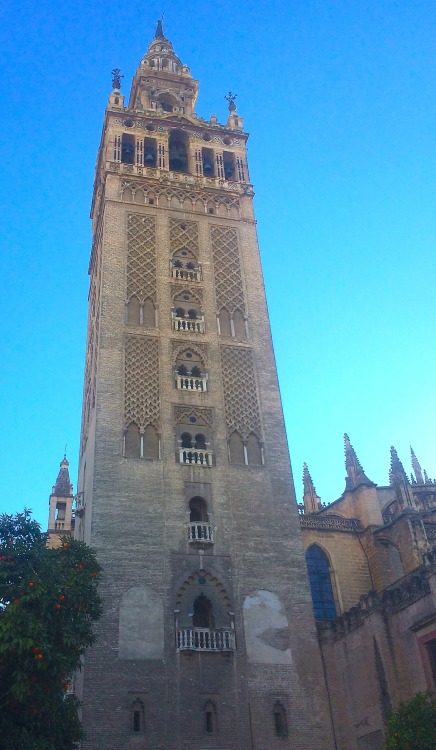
pixel 178 151
pixel 321 587
pixel 239 325
pixel 198 509
pixel 133 311
pixel 203 616
pixel 137 717
pixel 150 152
pixel 236 449
pixel 200 442
pixel 280 723
pixel 199 528
pixel 149 313
pixel 151 442
pixel 254 452
pixel 210 718
pixel 127 148
pixel 132 441
pixel 208 162
pixel 186 438
pixel 224 322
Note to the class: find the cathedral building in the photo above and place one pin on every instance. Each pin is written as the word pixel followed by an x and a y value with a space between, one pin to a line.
pixel 371 557
pixel 185 490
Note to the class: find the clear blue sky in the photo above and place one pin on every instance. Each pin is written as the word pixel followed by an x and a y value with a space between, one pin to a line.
pixel 340 101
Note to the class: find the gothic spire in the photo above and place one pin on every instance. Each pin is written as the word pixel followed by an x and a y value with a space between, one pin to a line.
pixel 355 473
pixel 63 486
pixel 312 502
pixel 396 471
pixel 416 467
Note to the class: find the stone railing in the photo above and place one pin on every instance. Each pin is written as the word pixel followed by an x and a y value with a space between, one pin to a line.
pixel 204 639
pixel 200 531
pixel 329 523
pixel 190 383
pixel 193 325
pixel 181 177
pixel 59 525
pixel 186 274
pixel 392 599
pixel 195 456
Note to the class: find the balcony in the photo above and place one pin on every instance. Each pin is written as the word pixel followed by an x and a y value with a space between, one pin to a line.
pixel 193 325
pixel 190 383
pixel 200 531
pixel 186 274
pixel 204 639
pixel 195 456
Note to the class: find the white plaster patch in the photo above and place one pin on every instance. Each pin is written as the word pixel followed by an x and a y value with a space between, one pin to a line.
pixel 141 625
pixel 266 629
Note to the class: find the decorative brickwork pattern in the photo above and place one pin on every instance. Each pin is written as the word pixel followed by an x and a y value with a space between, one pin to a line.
pixel 228 279
pixel 141 257
pixel 177 290
pixel 240 395
pixel 92 344
pixel 330 523
pixel 141 389
pixel 210 582
pixel 200 349
pixel 182 414
pixel 184 236
pixel 179 197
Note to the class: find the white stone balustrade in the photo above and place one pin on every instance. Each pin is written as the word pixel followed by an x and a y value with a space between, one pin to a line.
pixel 190 383
pixel 204 639
pixel 195 456
pixel 200 531
pixel 194 325
pixel 186 274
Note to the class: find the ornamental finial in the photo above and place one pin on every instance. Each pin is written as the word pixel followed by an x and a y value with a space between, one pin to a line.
pixel 116 80
pixel 231 100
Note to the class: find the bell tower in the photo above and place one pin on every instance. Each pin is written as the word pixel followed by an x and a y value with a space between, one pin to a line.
pixel 186 494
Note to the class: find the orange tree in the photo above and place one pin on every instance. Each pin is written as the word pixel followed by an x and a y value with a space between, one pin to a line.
pixel 413 725
pixel 48 604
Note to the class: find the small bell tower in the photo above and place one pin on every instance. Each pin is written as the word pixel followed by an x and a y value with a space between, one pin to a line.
pixel 61 518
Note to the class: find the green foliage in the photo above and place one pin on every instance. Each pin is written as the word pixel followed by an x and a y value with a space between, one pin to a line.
pixel 48 603
pixel 413 725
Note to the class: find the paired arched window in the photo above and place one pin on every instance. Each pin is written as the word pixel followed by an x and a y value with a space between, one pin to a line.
pixel 248 452
pixel 232 324
pixel 189 371
pixel 318 567
pixel 141 313
pixel 141 445
pixel 197 441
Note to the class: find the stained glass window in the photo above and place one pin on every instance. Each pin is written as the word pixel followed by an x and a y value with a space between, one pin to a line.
pixel 320 583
